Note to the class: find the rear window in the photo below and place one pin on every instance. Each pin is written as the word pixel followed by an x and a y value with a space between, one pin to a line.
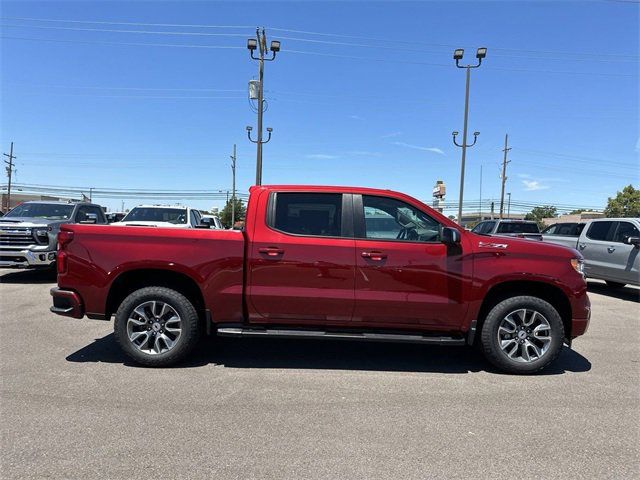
pixel 318 214
pixel 599 230
pixel 144 214
pixel 511 227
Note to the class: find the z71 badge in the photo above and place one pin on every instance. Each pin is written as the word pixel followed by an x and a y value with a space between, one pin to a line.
pixel 492 245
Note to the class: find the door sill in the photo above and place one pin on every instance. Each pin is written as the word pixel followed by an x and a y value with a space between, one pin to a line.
pixel 320 334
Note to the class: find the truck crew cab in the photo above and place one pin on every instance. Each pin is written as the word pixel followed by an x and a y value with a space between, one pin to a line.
pixel 326 262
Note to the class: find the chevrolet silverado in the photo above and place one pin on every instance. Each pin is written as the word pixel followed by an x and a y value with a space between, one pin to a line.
pixel 326 262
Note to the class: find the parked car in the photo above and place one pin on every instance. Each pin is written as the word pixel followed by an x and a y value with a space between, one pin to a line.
pixel 28 233
pixel 563 233
pixel 212 220
pixel 317 262
pixel 509 228
pixel 113 217
pixel 171 216
pixel 610 247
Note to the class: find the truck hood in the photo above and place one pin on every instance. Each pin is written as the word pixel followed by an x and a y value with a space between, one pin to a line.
pixel 150 224
pixel 29 222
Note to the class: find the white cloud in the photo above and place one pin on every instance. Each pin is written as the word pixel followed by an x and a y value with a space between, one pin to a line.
pixel 392 134
pixel 321 156
pixel 356 117
pixel 533 185
pixel 418 147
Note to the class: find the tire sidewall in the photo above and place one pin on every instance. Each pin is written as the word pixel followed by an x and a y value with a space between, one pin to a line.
pixel 498 357
pixel 188 325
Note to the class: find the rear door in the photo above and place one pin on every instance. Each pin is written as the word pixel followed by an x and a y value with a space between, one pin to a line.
pixel 594 244
pixel 302 259
pixel 405 276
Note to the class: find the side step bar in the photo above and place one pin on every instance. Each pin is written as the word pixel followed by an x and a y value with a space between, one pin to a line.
pixel 371 337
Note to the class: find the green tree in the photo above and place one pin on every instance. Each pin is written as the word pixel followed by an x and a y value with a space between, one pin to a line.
pixel 625 204
pixel 225 215
pixel 538 213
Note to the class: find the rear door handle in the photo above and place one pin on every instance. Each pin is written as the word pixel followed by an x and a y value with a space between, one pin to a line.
pixel 271 251
pixel 581 246
pixel 377 256
pixel 611 249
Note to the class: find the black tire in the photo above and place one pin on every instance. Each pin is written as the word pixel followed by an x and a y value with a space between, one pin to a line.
pixel 615 284
pixel 489 336
pixel 189 334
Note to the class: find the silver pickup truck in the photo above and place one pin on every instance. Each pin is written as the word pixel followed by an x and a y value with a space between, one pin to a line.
pixel 610 246
pixel 29 232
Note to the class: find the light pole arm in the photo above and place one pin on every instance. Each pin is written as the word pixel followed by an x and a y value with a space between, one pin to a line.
pixel 249 135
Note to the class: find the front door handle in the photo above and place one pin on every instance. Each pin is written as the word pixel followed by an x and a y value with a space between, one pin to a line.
pixel 611 249
pixel 271 251
pixel 377 256
pixel 582 246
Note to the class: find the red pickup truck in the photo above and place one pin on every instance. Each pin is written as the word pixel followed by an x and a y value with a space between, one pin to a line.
pixel 325 262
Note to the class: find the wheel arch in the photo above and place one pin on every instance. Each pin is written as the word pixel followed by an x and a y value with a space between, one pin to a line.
pixel 129 281
pixel 545 291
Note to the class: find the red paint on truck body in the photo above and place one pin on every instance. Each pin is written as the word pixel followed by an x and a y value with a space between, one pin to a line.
pixel 264 276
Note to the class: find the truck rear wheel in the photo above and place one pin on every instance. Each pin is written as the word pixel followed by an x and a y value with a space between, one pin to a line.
pixel 156 326
pixel 522 335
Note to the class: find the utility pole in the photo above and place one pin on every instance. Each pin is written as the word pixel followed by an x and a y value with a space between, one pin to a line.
pixel 260 43
pixel 233 187
pixel 9 169
pixel 91 194
pixel 504 173
pixel 480 206
pixel 509 205
pixel 457 56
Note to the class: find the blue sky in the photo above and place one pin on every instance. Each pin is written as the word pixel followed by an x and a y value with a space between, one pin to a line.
pixel 88 106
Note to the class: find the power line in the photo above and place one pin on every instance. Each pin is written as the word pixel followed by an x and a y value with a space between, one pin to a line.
pixel 127 44
pixel 378 41
pixel 110 30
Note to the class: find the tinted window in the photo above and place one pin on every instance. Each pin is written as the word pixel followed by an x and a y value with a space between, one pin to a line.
pixel 317 214
pixel 144 214
pixel 599 230
pixel 624 231
pixel 552 229
pixel 513 227
pixel 484 227
pixel 83 210
pixel 42 210
pixel 390 219
pixel 478 228
pixel 194 218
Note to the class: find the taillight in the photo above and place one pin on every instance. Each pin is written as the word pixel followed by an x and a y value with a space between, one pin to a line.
pixel 61 262
pixel 64 238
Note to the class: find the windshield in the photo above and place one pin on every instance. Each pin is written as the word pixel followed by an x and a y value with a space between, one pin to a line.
pixel 169 215
pixel 49 211
pixel 509 227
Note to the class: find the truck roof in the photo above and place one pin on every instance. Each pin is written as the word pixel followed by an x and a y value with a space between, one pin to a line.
pixel 328 188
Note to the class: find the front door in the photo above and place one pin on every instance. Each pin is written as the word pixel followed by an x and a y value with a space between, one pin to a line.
pixel 405 276
pixel 301 263
pixel 623 257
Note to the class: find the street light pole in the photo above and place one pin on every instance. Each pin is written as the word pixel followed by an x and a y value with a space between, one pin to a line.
pixel 260 43
pixel 457 56
pixel 509 205
pixel 233 194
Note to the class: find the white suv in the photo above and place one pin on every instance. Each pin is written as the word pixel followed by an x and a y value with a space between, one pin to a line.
pixel 172 216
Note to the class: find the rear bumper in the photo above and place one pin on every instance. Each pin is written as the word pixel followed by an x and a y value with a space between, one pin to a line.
pixel 67 303
pixel 26 258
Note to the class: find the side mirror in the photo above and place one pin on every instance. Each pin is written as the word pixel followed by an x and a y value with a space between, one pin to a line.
pixel 450 236
pixel 207 222
pixel 90 218
pixel 635 241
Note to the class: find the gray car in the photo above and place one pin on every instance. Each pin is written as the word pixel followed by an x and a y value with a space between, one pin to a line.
pixel 610 246
pixel 28 233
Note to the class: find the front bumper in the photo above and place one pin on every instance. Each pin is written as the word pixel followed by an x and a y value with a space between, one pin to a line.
pixel 26 258
pixel 67 303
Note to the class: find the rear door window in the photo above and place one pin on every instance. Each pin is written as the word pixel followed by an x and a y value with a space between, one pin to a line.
pixel 316 214
pixel 601 231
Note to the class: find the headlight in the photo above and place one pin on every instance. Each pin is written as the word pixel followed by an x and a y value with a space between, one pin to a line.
pixel 578 265
pixel 41 232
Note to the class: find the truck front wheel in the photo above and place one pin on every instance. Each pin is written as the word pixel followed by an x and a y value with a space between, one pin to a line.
pixel 156 326
pixel 522 334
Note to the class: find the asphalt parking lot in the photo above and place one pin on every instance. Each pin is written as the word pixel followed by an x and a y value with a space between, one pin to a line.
pixel 73 406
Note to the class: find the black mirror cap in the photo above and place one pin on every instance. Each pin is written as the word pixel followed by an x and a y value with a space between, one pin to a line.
pixel 635 241
pixel 450 236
